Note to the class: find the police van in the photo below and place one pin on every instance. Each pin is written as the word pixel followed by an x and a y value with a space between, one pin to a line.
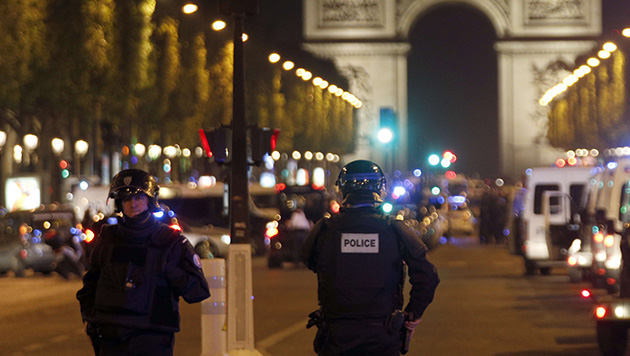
pixel 550 215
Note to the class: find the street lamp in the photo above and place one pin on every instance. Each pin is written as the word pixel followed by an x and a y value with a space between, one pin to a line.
pixel 17 153
pixel 30 142
pixel 3 139
pixel 80 148
pixel 57 145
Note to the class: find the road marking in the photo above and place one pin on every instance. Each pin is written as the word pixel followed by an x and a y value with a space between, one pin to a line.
pixel 60 338
pixel 457 263
pixel 275 338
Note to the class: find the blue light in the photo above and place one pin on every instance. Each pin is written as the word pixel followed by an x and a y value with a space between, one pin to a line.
pixel 399 191
pixel 417 172
pixel 171 213
pixel 112 220
pixel 611 165
pixel 37 232
pixel 159 214
pixel 457 199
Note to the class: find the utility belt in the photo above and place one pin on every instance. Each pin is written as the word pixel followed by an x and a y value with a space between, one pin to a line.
pixel 393 323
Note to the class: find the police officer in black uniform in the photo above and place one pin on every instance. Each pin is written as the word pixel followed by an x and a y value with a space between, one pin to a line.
pixel 359 256
pixel 138 270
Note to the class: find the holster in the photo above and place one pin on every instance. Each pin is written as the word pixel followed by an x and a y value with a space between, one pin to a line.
pixel 95 337
pixel 395 321
pixel 316 318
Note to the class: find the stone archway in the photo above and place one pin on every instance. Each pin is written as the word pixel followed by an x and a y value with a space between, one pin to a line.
pixel 368 41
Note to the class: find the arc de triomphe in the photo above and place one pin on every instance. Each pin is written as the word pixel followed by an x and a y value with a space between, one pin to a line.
pixel 537 41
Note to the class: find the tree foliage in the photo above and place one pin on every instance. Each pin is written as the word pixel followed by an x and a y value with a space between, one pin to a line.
pixel 593 113
pixel 114 73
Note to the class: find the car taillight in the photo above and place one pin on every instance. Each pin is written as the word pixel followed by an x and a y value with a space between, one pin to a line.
pixel 600 312
pixel 598 237
pixel 89 236
pixel 585 293
pixel 23 254
pixel 572 261
pixel 609 240
pixel 271 232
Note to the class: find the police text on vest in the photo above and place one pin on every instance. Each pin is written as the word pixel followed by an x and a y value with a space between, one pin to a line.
pixel 359 243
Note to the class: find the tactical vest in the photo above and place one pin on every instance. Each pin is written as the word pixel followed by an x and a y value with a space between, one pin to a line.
pixel 360 267
pixel 132 289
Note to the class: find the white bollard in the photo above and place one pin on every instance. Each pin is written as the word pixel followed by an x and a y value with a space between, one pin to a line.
pixel 214 310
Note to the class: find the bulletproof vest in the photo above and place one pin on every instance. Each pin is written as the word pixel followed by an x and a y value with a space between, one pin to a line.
pixel 360 267
pixel 131 278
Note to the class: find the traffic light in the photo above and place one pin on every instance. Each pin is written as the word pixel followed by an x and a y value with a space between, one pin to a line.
pixel 262 140
pixel 65 168
pixel 388 125
pixel 217 143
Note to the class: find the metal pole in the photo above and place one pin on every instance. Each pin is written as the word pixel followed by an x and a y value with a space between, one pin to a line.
pixel 239 202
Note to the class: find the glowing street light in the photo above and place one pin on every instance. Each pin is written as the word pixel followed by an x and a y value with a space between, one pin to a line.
pixel 57 145
pixel 190 8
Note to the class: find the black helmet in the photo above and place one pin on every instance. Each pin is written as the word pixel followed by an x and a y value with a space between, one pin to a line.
pixel 130 182
pixel 361 175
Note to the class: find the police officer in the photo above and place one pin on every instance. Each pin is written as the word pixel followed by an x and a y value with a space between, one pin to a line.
pixel 138 270
pixel 359 256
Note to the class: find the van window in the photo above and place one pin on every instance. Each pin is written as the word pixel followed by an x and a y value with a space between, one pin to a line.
pixel 554 202
pixel 624 206
pixel 575 192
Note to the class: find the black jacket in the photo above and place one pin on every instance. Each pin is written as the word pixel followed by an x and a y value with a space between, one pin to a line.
pixel 358 256
pixel 137 273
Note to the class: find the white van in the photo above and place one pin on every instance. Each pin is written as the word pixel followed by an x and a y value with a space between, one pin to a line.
pixel 550 219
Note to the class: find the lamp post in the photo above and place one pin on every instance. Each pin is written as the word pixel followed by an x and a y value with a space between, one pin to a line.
pixel 57 146
pixel 30 144
pixel 80 148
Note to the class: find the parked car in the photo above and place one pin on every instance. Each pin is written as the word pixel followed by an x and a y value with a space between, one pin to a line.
pixel 22 239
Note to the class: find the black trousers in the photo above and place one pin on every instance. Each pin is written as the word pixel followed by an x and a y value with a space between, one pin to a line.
pixel 359 337
pixel 132 342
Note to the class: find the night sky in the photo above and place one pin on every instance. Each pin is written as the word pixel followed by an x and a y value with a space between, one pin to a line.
pixel 452 77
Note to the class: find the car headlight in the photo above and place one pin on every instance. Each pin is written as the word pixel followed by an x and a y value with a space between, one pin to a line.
pixel 226 239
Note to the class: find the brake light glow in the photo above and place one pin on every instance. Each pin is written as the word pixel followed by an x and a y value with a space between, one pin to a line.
pixel 271 232
pixel 611 281
pixel 334 206
pixel 89 236
pixel 598 237
pixel 176 227
pixel 572 261
pixel 585 293
pixel 600 312
pixel 609 240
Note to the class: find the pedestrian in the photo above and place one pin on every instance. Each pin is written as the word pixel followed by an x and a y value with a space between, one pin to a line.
pixel 138 270
pixel 298 226
pixel 360 256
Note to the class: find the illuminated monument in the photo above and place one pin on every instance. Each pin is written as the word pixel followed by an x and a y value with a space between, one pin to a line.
pixel 368 42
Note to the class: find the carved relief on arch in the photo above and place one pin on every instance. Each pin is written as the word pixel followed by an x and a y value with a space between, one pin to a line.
pixel 545 78
pixel 360 85
pixel 351 13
